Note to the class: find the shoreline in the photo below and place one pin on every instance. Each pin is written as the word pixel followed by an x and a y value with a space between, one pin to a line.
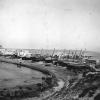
pixel 35 67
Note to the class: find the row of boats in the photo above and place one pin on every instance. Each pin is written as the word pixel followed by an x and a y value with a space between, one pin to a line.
pixel 75 59
pixel 71 59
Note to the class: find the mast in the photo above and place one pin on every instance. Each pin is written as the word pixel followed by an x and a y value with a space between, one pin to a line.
pixel 52 53
pixel 41 51
pixel 80 53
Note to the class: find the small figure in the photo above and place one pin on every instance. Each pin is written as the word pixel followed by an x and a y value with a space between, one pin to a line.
pixel 19 65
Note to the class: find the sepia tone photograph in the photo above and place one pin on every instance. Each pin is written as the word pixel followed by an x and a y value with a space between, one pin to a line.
pixel 49 50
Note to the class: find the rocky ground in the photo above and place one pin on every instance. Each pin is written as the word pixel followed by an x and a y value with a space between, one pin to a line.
pixel 76 87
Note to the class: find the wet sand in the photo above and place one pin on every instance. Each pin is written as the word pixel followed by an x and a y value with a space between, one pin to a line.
pixel 11 75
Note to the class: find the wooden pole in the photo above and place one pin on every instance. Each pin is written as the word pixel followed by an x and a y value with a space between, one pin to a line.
pixel 53 52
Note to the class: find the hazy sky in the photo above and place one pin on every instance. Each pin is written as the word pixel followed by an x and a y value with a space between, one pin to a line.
pixel 70 24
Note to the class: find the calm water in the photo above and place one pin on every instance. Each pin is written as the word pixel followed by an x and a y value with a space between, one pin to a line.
pixel 94 54
pixel 11 75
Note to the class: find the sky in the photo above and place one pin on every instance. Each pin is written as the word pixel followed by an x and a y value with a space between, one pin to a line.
pixel 48 24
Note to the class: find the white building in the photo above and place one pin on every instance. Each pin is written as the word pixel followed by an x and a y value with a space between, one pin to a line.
pixel 24 53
